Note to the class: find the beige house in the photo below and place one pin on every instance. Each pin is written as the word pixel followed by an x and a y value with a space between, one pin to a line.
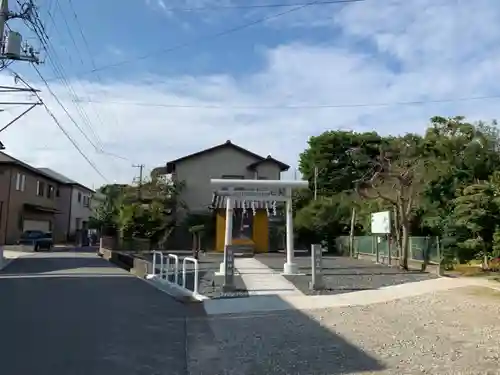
pixel 226 160
pixel 28 200
pixel 74 205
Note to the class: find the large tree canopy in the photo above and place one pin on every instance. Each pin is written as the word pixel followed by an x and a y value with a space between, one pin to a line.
pixel 442 183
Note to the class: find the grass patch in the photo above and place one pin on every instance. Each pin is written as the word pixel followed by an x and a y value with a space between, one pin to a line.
pixel 473 270
pixel 480 291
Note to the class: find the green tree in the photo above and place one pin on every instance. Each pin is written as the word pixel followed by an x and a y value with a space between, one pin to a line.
pixel 107 212
pixel 476 211
pixel 146 213
pixel 330 156
pixel 465 154
pixel 399 176
pixel 322 220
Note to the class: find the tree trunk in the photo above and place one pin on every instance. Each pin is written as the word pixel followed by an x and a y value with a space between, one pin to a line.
pixel 486 262
pixel 405 243
pixel 404 225
pixel 397 229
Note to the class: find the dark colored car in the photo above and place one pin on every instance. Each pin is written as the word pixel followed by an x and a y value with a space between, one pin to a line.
pixel 38 239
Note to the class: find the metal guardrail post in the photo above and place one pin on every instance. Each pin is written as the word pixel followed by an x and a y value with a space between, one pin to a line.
pixel 155 254
pixel 196 272
pixel 176 267
pixel 162 265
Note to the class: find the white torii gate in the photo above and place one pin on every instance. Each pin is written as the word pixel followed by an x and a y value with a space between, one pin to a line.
pixel 290 267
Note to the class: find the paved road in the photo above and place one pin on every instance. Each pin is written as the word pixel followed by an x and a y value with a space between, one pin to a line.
pixel 73 313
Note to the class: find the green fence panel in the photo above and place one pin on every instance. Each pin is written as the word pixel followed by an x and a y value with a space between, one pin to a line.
pixel 420 247
pixel 424 247
pixel 365 245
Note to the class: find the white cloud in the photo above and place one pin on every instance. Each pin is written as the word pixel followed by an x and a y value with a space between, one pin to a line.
pixel 442 49
pixel 161 4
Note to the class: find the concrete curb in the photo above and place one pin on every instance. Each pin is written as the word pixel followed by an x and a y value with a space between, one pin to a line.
pixel 174 290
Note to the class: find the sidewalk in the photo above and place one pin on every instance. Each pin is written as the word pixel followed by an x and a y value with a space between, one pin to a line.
pixel 261 280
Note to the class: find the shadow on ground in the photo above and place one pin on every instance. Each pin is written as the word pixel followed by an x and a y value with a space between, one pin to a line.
pixel 275 342
pixel 105 325
pixel 109 325
pixel 40 263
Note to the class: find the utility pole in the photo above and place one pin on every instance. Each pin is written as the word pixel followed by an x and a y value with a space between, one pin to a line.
pixel 315 183
pixel 139 187
pixel 12 47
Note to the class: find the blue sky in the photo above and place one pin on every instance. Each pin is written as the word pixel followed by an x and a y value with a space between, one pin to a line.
pixel 343 55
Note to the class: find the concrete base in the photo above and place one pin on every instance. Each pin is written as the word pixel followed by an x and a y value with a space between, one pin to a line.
pixel 222 270
pixel 318 285
pixel 290 269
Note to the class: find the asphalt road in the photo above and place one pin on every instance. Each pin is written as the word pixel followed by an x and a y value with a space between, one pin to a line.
pixel 73 313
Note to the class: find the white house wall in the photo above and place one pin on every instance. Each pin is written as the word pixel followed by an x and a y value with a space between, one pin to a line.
pixel 78 210
pixel 269 171
pixel 196 172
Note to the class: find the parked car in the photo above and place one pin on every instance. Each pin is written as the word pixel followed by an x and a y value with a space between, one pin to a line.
pixel 38 239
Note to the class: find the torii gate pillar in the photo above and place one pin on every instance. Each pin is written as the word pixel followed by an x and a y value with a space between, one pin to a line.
pixel 290 267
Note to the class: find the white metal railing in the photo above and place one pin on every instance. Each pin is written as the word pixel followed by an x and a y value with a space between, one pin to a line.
pixel 157 254
pixel 196 272
pixel 175 259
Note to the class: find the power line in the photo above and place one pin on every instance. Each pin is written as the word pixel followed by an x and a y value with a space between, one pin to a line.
pixel 301 106
pixel 92 61
pixel 256 6
pixel 33 21
pixel 90 162
pixel 64 109
pixel 59 69
pixel 59 125
pixel 206 38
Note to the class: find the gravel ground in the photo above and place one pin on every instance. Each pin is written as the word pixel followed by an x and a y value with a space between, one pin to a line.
pixel 342 274
pixel 210 285
pixel 438 333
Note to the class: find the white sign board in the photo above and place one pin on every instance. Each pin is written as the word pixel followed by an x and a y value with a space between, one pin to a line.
pixel 381 222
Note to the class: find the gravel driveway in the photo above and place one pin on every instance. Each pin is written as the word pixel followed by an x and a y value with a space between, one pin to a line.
pixel 453 332
pixel 344 274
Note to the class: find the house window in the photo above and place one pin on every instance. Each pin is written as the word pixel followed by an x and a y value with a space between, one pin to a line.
pixel 79 197
pixel 50 192
pixel 20 182
pixel 86 201
pixel 58 193
pixel 40 188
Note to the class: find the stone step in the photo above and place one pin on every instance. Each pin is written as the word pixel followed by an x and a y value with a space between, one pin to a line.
pixel 243 250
